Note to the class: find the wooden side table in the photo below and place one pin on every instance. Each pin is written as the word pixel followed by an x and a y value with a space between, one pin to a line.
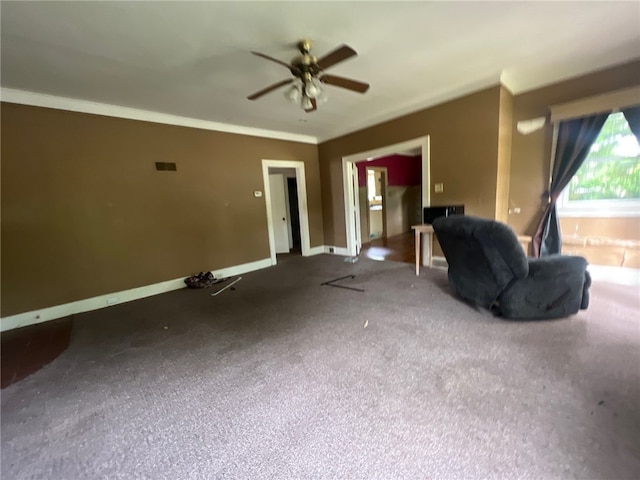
pixel 428 231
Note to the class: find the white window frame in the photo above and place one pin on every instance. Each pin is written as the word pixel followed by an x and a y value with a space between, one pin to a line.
pixel 597 208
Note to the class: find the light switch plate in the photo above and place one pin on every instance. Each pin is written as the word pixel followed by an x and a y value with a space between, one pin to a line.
pixel 438 187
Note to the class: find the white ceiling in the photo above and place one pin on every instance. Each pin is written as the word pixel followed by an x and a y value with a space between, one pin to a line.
pixel 192 59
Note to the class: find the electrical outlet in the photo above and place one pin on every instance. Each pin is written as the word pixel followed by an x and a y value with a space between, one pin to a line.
pixel 331 249
pixel 438 187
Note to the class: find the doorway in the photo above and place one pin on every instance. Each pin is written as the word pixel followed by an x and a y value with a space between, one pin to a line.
pixel 279 211
pixel 376 202
pixel 350 185
pixel 286 205
pixel 295 239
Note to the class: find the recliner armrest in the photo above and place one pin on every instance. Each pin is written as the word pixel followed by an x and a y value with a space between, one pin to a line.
pixel 556 265
pixel 557 286
pixel 561 265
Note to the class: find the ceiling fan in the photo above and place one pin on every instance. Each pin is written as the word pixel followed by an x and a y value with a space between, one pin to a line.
pixel 308 73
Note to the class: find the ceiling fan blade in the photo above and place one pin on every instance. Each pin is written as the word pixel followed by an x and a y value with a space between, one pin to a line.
pixel 336 56
pixel 314 107
pixel 270 88
pixel 343 82
pixel 284 64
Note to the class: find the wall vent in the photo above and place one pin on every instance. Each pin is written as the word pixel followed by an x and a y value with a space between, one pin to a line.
pixel 166 166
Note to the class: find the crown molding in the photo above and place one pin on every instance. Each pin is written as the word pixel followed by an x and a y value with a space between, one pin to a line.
pixel 24 97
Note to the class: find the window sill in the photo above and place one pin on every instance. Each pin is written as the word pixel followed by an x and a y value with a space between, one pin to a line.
pixel 597 213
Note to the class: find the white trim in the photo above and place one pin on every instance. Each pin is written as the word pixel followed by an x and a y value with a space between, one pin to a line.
pixel 426 173
pixel 624 208
pixel 606 102
pixel 352 207
pixel 23 97
pixel 317 250
pixel 242 268
pixel 114 298
pixel 301 184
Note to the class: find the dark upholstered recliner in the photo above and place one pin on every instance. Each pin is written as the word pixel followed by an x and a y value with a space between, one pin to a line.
pixel 488 267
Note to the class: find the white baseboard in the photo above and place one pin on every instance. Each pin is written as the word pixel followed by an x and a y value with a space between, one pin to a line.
pixel 336 250
pixel 315 251
pixel 244 268
pixel 440 262
pixel 107 300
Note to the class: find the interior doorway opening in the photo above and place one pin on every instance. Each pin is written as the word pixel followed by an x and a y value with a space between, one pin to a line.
pixel 357 211
pixel 286 205
pixel 295 239
pixel 376 202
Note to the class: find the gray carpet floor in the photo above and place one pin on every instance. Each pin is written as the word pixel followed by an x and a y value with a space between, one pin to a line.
pixel 283 378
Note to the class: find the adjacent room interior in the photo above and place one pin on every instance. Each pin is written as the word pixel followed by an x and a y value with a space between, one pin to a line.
pixel 135 154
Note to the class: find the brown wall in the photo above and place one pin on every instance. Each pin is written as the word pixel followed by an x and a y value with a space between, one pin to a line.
pixel 590 238
pixel 403 209
pixel 84 213
pixel 464 144
pixel 477 152
pixel 531 154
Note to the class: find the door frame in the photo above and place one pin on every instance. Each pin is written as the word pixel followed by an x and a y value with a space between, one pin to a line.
pixel 280 229
pixel 298 166
pixel 351 202
pixel 383 192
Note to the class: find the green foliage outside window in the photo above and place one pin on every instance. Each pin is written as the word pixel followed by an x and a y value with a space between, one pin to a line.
pixel 611 171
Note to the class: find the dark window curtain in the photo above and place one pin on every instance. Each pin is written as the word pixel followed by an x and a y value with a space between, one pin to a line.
pixel 632 114
pixel 575 138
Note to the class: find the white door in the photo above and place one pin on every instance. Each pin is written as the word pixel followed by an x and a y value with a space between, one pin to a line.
pixel 279 212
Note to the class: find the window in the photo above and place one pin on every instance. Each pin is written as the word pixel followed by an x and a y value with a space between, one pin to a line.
pixel 608 182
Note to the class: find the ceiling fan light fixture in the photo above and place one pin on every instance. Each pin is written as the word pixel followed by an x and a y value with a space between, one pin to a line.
pixel 322 98
pixel 293 94
pixel 306 103
pixel 312 89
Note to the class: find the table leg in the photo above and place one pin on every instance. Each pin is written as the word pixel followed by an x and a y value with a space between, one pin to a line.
pixel 417 252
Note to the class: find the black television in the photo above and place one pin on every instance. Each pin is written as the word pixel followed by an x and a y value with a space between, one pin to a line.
pixel 431 213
